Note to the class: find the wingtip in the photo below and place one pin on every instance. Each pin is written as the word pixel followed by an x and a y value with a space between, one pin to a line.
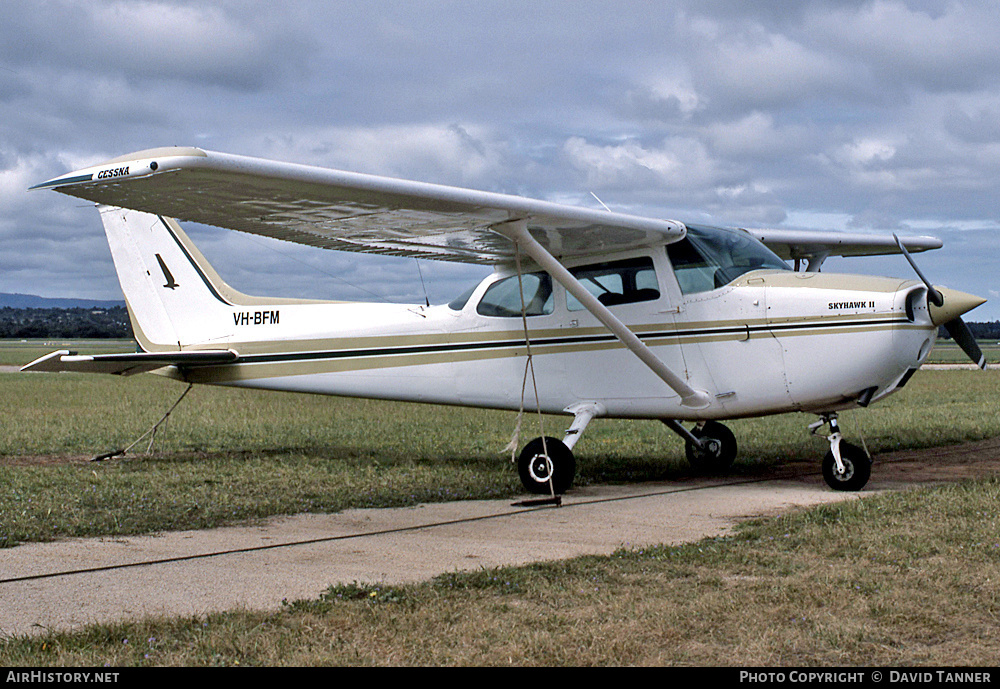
pixel 138 164
pixel 64 181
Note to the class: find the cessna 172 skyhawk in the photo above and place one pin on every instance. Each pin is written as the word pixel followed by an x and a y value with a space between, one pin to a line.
pixel 617 315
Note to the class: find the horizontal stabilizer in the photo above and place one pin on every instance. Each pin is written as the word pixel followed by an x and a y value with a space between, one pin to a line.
pixel 127 364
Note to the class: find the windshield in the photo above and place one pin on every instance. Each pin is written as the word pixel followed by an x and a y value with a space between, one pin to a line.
pixel 710 257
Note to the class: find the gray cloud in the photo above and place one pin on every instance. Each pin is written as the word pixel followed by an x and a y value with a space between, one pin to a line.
pixel 879 115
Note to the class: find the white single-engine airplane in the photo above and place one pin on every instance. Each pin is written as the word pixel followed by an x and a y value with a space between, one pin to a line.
pixel 618 316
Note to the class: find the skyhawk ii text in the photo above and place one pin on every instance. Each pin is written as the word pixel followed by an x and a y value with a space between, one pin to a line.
pixel 840 305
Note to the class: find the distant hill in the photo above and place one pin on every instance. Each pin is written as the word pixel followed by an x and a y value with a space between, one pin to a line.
pixel 30 301
pixel 63 317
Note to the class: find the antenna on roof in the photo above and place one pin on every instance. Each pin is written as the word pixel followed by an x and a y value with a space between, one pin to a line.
pixel 600 202
pixel 427 300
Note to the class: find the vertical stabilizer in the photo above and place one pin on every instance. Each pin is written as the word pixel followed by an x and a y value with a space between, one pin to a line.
pixel 175 299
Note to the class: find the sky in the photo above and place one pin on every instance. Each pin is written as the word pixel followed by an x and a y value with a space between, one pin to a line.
pixel 874 117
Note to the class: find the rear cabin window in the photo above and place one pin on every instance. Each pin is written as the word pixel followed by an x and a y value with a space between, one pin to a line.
pixel 502 298
pixel 617 282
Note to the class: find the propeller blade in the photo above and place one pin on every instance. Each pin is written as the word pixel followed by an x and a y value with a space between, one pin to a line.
pixel 933 296
pixel 960 332
pixel 958 303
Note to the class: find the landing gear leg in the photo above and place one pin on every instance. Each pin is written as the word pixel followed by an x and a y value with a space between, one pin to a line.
pixel 845 467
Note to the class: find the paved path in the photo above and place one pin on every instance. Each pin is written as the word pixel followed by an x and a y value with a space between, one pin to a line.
pixel 371 546
pixel 408 544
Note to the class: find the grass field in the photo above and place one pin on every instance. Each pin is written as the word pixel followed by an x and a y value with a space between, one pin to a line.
pixel 228 455
pixel 905 579
pixel 902 580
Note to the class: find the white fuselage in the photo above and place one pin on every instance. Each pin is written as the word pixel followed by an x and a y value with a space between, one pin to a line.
pixel 767 342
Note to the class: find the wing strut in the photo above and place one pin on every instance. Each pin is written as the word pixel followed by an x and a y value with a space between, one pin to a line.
pixel 517 231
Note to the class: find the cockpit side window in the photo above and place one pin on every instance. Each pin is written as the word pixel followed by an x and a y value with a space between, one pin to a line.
pixel 459 302
pixel 617 282
pixel 711 257
pixel 502 298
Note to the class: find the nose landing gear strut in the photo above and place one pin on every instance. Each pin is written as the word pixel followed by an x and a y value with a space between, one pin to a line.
pixel 846 466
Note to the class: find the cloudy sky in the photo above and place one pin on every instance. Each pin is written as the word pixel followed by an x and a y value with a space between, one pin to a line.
pixel 864 116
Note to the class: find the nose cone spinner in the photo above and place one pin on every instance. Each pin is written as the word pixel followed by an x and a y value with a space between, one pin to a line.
pixel 955 304
pixel 948 312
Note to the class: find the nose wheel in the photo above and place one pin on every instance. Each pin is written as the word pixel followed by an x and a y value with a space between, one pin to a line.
pixel 854 471
pixel 845 467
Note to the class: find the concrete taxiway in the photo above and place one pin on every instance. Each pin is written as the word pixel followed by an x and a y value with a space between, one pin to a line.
pixel 73 582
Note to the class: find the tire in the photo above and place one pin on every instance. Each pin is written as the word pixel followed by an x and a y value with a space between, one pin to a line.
pixel 721 452
pixel 535 468
pixel 857 468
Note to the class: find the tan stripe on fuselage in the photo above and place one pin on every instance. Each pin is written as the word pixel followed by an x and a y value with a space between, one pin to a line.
pixel 514 347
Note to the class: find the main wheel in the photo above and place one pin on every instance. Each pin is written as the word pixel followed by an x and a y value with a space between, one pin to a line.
pixel 857 468
pixel 719 451
pixel 538 464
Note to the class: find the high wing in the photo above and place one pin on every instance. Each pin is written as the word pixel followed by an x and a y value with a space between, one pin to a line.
pixel 366 213
pixel 126 364
pixel 349 211
pixel 815 246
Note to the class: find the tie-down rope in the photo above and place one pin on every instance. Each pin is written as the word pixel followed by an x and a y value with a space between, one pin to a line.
pixel 151 432
pixel 529 365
